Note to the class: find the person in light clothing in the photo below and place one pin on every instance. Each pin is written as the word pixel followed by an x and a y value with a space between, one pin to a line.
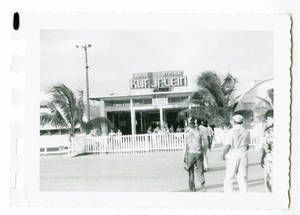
pixel 193 157
pixel 267 151
pixel 236 143
pixel 210 136
pixel 205 141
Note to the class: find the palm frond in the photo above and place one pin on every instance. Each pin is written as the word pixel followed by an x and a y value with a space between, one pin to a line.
pixel 212 83
pixel 79 111
pixel 215 97
pixel 228 84
pixel 271 95
pixel 53 120
pixel 56 115
pixel 98 122
pixel 266 102
pixel 203 96
pixel 62 108
pixel 65 98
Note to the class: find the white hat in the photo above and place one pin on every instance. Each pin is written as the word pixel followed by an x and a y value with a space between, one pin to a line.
pixel 238 118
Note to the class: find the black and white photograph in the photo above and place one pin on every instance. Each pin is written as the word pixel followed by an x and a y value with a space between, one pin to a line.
pixel 156 111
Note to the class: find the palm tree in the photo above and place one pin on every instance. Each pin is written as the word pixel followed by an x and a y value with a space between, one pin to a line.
pixel 101 123
pixel 214 99
pixel 63 109
pixel 269 101
pixel 259 98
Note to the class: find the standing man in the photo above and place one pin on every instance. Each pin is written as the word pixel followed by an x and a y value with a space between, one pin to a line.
pixel 237 142
pixel 210 137
pixel 205 141
pixel 193 157
pixel 267 157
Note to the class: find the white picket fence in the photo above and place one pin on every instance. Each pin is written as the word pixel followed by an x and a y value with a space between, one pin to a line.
pixel 128 143
pixel 59 144
pixel 54 144
pixel 139 143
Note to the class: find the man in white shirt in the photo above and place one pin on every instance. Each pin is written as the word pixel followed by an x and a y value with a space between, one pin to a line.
pixel 237 142
pixel 193 157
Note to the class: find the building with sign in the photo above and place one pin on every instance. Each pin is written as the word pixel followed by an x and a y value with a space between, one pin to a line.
pixel 155 98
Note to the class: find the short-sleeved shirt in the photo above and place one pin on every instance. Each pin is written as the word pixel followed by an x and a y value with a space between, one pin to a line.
pixel 268 139
pixel 192 138
pixel 238 138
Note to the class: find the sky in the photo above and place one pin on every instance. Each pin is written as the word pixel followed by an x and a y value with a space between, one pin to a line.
pixel 115 55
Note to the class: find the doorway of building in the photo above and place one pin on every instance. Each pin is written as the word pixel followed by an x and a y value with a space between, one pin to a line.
pixel 172 119
pixel 120 120
pixel 145 119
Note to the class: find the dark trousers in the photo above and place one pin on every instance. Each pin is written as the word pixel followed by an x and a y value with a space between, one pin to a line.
pixel 195 165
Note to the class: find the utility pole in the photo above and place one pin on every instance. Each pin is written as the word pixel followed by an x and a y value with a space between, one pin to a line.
pixel 85 47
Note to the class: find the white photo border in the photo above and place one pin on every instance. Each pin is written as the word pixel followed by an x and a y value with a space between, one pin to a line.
pixel 33 23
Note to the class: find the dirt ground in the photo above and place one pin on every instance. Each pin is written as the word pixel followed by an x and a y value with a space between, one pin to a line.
pixel 146 172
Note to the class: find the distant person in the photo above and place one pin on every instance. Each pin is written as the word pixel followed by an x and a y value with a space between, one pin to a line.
pixel 267 151
pixel 205 141
pixel 210 136
pixel 149 131
pixel 165 128
pixel 193 156
pixel 237 142
pixel 157 129
pixel 111 133
pixel 119 133
pixel 119 136
pixel 171 129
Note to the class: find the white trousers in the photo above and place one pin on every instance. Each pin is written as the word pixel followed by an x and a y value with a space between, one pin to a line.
pixel 236 167
pixel 205 162
pixel 268 172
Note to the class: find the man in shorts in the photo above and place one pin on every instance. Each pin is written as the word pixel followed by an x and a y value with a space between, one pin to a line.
pixel 193 157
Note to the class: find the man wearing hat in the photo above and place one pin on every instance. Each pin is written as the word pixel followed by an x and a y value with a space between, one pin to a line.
pixel 193 157
pixel 236 144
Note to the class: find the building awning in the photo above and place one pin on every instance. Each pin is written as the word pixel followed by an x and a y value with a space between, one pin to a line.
pixel 137 96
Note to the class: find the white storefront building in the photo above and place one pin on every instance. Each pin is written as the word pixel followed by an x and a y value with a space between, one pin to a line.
pixel 155 98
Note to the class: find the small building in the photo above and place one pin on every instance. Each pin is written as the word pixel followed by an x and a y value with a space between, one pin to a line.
pixel 155 99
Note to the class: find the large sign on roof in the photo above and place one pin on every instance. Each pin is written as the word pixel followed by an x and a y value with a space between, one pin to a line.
pixel 163 79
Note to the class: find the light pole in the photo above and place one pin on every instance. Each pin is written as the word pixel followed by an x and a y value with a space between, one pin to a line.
pixel 85 47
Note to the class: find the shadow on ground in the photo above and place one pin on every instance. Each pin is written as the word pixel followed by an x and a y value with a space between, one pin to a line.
pixel 251 183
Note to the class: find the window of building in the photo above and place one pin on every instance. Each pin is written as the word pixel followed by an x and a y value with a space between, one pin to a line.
pixel 142 101
pixel 159 96
pixel 177 99
pixel 119 103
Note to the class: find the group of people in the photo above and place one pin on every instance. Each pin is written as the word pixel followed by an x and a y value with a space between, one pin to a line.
pixel 163 130
pixel 235 153
pixel 112 133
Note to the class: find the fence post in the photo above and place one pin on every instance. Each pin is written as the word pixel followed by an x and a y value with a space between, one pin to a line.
pixel 147 140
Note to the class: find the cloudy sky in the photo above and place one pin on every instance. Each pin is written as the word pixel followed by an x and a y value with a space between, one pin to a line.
pixel 115 55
